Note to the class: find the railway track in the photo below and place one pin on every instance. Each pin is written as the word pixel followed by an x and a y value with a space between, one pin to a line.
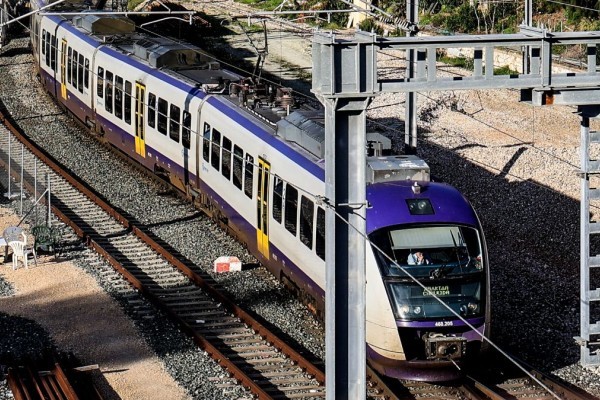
pixel 510 389
pixel 473 388
pixel 253 356
pixel 57 380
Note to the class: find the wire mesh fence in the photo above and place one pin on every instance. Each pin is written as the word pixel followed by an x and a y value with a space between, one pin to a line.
pixel 24 181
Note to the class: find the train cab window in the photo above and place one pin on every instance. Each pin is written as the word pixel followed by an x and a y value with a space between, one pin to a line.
pixel 206 142
pixel 127 114
pixel 74 68
pixel 215 157
pixel 108 88
pixel 238 161
pixel 80 73
pixel 174 116
pixel 100 83
pixel 186 130
pixel 151 110
pixel 226 158
pixel 249 175
pixel 86 79
pixel 118 97
pixel 277 198
pixel 163 109
pixel 69 68
pixel 307 213
pixel 291 209
pixel 320 234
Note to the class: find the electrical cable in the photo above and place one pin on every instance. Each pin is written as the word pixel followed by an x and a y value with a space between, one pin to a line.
pixel 319 197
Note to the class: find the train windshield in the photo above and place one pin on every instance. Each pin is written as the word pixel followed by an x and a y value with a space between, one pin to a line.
pixel 446 260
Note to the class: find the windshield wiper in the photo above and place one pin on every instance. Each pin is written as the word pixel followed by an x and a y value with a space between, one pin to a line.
pixel 441 271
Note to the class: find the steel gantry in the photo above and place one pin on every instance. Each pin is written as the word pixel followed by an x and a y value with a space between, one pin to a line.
pixel 346 79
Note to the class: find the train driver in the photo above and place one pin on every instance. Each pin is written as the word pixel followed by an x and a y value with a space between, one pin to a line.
pixel 418 258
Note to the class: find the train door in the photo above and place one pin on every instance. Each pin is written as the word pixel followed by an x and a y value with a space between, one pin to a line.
pixel 262 207
pixel 140 135
pixel 63 69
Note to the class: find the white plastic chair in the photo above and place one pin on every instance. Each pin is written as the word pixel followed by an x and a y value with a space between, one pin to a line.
pixel 22 251
pixel 4 245
pixel 10 234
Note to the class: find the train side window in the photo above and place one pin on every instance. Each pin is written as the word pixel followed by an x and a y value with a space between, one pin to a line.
pixel 307 213
pixel 74 68
pixel 151 110
pixel 118 97
pixel 206 144
pixel 277 198
pixel 127 114
pixel 215 158
pixel 100 83
pixel 174 116
pixel 238 161
pixel 47 36
pixel 291 209
pixel 249 175
pixel 108 88
pixel 43 42
pixel 53 52
pixel 320 233
pixel 86 79
pixel 226 158
pixel 163 109
pixel 186 130
pixel 80 73
pixel 69 60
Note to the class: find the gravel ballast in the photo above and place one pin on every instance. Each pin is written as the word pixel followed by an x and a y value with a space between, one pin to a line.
pixel 515 163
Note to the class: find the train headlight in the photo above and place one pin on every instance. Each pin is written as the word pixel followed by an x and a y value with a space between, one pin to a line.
pixel 473 307
pixel 404 310
pixel 417 310
pixel 419 206
pixel 470 308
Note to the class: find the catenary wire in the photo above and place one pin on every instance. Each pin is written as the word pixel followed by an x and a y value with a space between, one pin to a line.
pixel 317 197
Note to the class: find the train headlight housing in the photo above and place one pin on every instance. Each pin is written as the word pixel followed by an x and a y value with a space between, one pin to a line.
pixel 404 310
pixel 470 308
pixel 419 206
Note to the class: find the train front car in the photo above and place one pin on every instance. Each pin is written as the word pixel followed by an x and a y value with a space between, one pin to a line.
pixel 426 240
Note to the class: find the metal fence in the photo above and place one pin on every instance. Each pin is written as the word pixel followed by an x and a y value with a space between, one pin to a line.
pixel 25 181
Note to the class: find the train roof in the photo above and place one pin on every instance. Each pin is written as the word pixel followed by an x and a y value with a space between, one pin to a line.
pixel 390 205
pixel 295 128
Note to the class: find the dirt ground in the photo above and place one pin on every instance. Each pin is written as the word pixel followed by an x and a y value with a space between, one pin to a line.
pixel 84 320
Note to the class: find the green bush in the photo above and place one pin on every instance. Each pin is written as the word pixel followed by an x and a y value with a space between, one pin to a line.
pixel 462 20
pixel 369 25
pixel 438 20
pixel 505 70
pixel 461 62
pixel 132 4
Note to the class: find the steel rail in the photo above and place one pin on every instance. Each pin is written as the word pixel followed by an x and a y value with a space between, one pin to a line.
pixel 138 231
pixel 91 240
pixel 31 383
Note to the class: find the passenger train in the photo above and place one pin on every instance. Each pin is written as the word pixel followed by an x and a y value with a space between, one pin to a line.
pixel 252 156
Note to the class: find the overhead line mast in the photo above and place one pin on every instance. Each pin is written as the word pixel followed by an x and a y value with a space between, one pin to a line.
pixel 345 80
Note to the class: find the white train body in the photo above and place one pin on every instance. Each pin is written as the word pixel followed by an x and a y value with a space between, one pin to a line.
pixel 173 110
